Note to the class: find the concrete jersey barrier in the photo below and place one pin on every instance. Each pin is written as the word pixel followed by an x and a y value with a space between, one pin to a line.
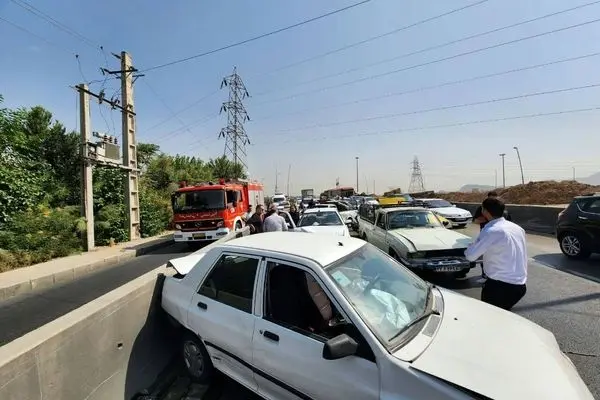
pixel 538 219
pixel 110 348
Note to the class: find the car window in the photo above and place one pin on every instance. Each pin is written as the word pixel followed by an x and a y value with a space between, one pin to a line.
pixel 385 294
pixel 592 206
pixel 413 219
pixel 321 218
pixel 295 299
pixel 381 221
pixel 231 281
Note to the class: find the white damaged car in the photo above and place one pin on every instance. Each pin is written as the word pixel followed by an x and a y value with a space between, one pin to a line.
pixel 458 217
pixel 325 317
pixel 322 220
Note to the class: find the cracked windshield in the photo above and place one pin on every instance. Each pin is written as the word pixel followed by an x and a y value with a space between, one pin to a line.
pixel 325 200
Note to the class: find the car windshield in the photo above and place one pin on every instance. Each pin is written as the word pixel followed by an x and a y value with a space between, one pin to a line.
pixel 321 218
pixel 413 219
pixel 278 199
pixel 385 295
pixel 200 200
pixel 438 203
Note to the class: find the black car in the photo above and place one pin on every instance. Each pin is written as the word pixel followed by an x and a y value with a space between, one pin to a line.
pixel 578 227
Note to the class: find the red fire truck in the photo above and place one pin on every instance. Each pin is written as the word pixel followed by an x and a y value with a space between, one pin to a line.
pixel 209 211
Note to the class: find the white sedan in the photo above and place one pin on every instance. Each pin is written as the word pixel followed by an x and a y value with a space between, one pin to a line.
pixel 458 217
pixel 293 316
pixel 323 220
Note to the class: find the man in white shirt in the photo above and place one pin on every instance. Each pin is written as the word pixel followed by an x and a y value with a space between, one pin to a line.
pixel 504 250
pixel 273 221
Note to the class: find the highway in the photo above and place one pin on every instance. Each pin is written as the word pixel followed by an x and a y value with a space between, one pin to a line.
pixel 563 296
pixel 22 314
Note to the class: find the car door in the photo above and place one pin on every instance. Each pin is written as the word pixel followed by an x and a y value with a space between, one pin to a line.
pixel 589 218
pixel 221 314
pixel 289 337
pixel 288 220
pixel 379 232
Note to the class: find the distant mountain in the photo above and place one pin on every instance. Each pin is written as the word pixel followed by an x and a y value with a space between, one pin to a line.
pixel 471 187
pixel 591 180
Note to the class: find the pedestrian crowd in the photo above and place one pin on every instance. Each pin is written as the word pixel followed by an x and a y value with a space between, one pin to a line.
pixel 269 221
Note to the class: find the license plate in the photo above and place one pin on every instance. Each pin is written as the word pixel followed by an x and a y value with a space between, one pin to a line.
pixel 460 219
pixel 447 269
pixel 199 235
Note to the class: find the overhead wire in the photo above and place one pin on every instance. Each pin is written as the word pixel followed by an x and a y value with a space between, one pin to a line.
pixel 441 108
pixel 415 66
pixel 434 47
pixel 37 36
pixel 252 39
pixel 373 38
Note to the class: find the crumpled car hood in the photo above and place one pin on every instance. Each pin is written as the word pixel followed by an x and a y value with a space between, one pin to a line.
pixel 424 239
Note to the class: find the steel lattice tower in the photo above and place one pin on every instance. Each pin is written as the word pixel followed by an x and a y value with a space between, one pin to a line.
pixel 416 178
pixel 234 133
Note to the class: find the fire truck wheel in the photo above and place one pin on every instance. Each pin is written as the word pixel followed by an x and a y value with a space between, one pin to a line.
pixel 238 226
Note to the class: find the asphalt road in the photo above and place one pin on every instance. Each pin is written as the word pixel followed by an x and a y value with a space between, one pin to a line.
pixel 563 296
pixel 22 314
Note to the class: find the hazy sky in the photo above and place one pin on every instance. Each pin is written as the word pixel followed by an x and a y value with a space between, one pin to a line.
pixel 308 115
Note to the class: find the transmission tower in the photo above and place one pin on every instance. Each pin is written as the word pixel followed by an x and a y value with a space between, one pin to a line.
pixel 416 178
pixel 234 133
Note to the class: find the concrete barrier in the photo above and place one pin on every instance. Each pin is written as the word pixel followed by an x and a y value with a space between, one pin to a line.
pixel 537 219
pixel 65 269
pixel 111 348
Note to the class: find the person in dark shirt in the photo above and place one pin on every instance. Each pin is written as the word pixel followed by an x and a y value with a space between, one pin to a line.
pixel 294 214
pixel 478 218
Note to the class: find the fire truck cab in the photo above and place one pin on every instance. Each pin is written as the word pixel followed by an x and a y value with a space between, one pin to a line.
pixel 209 211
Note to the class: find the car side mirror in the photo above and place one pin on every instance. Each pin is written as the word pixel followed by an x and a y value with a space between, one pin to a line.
pixel 445 223
pixel 338 347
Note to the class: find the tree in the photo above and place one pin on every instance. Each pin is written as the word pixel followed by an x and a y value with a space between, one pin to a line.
pixel 222 167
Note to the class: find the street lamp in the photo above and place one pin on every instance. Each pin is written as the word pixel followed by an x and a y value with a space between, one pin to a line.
pixel 356 175
pixel 520 164
pixel 503 171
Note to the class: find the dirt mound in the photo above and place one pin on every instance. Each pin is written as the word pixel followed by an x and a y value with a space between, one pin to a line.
pixel 543 192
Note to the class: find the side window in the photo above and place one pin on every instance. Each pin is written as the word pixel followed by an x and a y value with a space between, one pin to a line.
pixel 238 195
pixel 592 206
pixel 381 221
pixel 295 300
pixel 231 282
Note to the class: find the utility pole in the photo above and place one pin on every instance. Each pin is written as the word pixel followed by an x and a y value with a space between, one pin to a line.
pixel 288 180
pixel 357 192
pixel 87 192
pixel 495 179
pixel 520 164
pixel 574 174
pixel 374 187
pixel 416 178
pixel 503 170
pixel 234 133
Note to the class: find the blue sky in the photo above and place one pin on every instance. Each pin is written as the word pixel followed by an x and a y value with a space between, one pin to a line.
pixel 311 131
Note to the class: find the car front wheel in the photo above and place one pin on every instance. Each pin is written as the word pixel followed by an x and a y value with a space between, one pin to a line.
pixel 573 246
pixel 196 359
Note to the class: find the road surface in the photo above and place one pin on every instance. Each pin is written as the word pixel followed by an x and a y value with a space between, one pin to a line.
pixel 562 296
pixel 22 314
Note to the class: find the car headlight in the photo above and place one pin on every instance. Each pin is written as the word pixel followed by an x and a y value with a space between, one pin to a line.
pixel 416 254
pixel 177 226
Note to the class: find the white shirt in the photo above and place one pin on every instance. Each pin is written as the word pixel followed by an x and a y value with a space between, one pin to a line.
pixel 503 247
pixel 274 222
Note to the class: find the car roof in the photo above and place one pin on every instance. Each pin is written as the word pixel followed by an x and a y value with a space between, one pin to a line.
pixel 392 209
pixel 320 209
pixel 324 249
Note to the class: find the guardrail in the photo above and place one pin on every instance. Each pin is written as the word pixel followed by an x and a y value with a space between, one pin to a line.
pixel 111 348
pixel 538 219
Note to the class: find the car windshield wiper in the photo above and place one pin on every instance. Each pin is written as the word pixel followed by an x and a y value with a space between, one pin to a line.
pixel 425 315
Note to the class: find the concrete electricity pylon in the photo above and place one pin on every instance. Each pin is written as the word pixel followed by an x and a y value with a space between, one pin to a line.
pixel 416 178
pixel 234 133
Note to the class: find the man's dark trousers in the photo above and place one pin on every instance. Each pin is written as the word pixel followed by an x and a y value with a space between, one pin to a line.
pixel 501 294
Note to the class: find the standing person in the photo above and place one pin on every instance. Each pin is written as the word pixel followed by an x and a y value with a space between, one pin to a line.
pixel 256 220
pixel 503 247
pixel 294 214
pixel 273 221
pixel 478 218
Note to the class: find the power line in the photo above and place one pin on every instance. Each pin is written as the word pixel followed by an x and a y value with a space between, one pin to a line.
pixel 373 38
pixel 179 131
pixel 435 47
pixel 442 108
pixel 264 35
pixel 37 36
pixel 415 66
pixel 431 127
pixel 438 86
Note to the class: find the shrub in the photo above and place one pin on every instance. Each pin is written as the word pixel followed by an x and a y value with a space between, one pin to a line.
pixel 109 224
pixel 155 212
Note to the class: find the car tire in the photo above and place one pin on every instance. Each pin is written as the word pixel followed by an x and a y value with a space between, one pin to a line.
pixel 574 246
pixel 462 273
pixel 196 359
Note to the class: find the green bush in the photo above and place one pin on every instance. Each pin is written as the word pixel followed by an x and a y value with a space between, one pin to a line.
pixel 155 212
pixel 109 224
pixel 40 234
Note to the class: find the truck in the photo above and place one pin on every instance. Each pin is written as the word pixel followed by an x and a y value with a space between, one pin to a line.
pixel 307 194
pixel 210 210
pixel 416 238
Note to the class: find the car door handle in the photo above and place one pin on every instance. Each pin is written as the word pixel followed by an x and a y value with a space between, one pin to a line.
pixel 202 305
pixel 271 336
pixel 580 217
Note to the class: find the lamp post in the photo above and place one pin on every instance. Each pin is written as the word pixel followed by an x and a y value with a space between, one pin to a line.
pixel 503 171
pixel 520 164
pixel 357 175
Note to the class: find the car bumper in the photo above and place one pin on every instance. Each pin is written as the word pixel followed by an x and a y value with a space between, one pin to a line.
pixel 439 265
pixel 457 221
pixel 200 236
